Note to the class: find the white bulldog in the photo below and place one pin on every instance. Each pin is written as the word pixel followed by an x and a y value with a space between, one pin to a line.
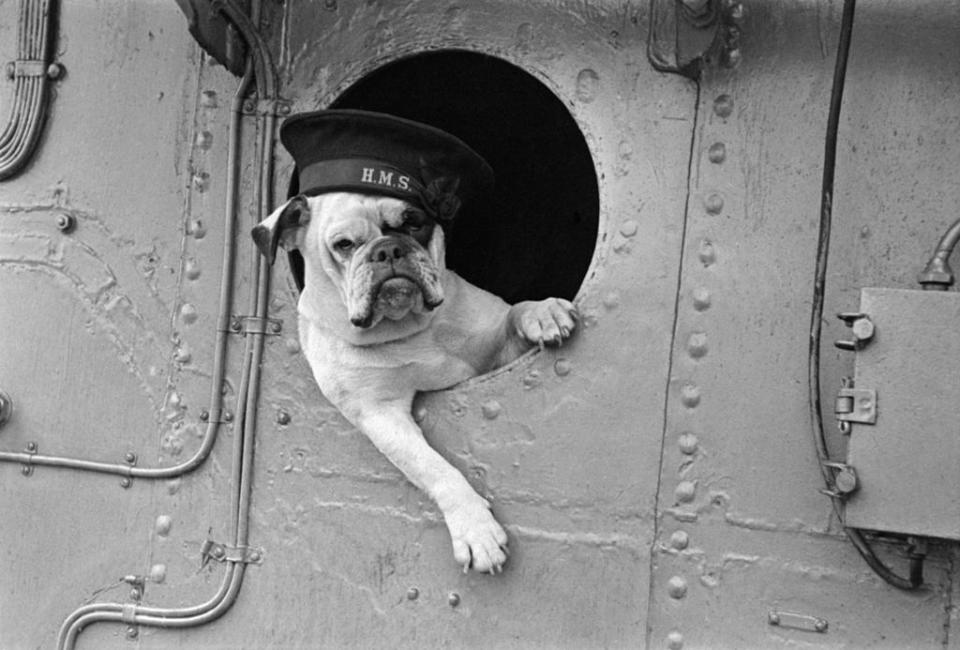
pixel 381 318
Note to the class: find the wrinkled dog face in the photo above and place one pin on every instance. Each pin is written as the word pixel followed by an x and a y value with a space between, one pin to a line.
pixel 385 256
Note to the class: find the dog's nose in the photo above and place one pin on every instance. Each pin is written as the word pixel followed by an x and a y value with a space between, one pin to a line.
pixel 387 249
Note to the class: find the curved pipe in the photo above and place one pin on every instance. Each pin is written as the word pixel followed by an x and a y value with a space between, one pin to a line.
pixel 31 93
pixel 938 276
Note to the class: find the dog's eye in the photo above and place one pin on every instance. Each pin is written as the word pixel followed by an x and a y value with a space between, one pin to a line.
pixel 343 245
pixel 413 221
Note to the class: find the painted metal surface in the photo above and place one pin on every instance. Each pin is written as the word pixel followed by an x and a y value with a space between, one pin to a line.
pixel 906 460
pixel 656 476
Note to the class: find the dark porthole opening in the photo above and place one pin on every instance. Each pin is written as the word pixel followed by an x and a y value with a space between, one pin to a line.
pixel 536 237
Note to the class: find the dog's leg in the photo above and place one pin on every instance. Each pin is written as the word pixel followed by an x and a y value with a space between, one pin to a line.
pixel 478 540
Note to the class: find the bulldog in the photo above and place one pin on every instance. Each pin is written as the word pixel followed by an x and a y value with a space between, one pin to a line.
pixel 382 318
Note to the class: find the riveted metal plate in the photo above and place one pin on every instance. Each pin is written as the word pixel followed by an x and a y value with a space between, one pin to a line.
pixel 906 462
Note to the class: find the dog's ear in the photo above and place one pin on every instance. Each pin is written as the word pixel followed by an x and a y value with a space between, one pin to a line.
pixel 281 227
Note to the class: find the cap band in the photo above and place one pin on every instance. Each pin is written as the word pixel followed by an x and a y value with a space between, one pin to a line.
pixel 362 175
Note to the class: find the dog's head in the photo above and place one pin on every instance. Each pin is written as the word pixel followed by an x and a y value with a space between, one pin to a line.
pixel 381 257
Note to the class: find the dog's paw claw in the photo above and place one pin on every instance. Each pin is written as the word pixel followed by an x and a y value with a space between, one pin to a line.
pixel 548 322
pixel 478 540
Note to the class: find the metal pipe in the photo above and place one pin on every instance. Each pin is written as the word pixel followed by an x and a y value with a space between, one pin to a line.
pixel 242 467
pixel 937 275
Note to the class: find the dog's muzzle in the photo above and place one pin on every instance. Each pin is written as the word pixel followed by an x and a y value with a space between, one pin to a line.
pixel 395 272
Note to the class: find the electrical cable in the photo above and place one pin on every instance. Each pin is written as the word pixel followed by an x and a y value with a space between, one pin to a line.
pixel 823 247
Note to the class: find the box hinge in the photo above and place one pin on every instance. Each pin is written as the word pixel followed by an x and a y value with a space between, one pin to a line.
pixel 855 405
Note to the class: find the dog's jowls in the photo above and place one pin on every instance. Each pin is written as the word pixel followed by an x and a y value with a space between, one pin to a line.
pixel 381 318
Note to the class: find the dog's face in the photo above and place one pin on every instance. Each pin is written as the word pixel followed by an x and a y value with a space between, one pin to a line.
pixel 382 257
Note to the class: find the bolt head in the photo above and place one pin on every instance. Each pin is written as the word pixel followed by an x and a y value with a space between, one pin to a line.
pixel 863 329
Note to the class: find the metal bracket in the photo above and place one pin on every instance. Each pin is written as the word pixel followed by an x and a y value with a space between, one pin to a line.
pixel 276 106
pixel 797 621
pixel 212 550
pixel 255 325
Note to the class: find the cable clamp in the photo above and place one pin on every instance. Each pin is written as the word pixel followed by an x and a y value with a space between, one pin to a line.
pixel 275 106
pixel 255 325
pixel 212 550
pixel 33 68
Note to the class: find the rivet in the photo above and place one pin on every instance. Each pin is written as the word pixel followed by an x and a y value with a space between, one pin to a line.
pixel 188 313
pixel 735 12
pixel 204 415
pixel 688 443
pixel 611 300
pixel 163 525
pixel 255 556
pixel 227 416
pixel 588 81
pixel 453 599
pixel 32 447
pixel 11 69
pixel 697 345
pixel 158 573
pixel 183 355
pixel 235 324
pixel 201 181
pixel 197 229
pixel 491 410
pixel 413 593
pixel 173 486
pixel 731 58
pixel 717 152
pixel 66 222
pixel 820 625
pixel 532 379
pixel 218 552
pixel 723 105
pixel 126 482
pixel 732 37
pixel 203 140
pixel 276 327
pixel 131 458
pixel 191 269
pixel 701 299
pixel 283 418
pixel 249 106
pixel 690 395
pixel 677 587
pixel 679 540
pixel 713 203
pixel 685 491
pixel 136 593
pixel 773 618
pixel 132 632
pixel 562 367
pixel 629 228
pixel 707 253
pixel 26 470
pixel 675 641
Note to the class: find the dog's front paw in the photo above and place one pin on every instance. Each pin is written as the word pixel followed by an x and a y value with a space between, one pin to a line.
pixel 479 542
pixel 548 321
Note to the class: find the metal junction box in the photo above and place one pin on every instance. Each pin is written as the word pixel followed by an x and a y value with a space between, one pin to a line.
pixel 908 462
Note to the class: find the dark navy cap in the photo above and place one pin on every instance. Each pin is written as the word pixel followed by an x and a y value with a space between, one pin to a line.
pixel 376 153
